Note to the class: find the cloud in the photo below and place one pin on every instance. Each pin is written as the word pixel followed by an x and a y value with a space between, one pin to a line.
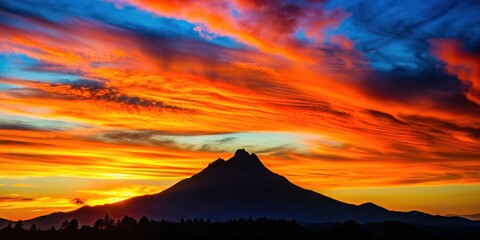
pixel 441 124
pixel 385 116
pixel 15 125
pixel 15 199
pixel 203 32
pixel 268 25
pixel 226 140
pixel 461 63
pixel 12 142
pixel 146 137
pixel 90 90
pixel 430 178
pixel 79 201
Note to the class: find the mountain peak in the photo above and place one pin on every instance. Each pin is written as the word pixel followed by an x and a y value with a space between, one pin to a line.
pixel 241 153
pixel 243 159
pixel 242 163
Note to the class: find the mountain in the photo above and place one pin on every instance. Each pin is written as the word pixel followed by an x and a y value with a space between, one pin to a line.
pixel 241 187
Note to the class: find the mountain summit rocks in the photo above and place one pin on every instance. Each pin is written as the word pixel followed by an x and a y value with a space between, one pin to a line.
pixel 241 161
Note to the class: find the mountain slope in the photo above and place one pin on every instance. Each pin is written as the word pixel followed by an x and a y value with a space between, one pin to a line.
pixel 241 187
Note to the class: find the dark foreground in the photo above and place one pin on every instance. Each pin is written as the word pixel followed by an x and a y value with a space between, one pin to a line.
pixel 130 228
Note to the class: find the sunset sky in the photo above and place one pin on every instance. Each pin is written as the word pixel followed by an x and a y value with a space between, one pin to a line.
pixel 363 101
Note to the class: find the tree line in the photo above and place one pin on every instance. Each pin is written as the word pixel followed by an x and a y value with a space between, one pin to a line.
pixel 144 228
pixel 261 228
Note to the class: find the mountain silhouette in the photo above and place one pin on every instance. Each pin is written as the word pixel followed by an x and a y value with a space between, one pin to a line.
pixel 241 187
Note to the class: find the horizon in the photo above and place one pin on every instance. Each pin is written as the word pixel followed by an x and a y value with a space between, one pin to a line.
pixel 102 101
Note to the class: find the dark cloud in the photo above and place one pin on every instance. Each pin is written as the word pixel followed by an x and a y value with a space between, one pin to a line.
pixel 7 9
pixel 395 41
pixel 146 136
pixel 432 86
pixel 430 178
pixel 405 85
pixel 225 140
pixel 80 201
pixel 13 142
pixel 23 126
pixel 311 105
pixel 63 159
pixel 85 89
pixel 459 156
pixel 440 124
pixel 140 137
pixel 160 138
pixel 15 199
pixel 385 116
pixel 15 125
pixel 327 157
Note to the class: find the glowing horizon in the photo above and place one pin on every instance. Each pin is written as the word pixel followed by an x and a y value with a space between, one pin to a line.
pixel 101 101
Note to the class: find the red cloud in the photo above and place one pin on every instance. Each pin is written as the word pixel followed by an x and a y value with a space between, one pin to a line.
pixel 461 63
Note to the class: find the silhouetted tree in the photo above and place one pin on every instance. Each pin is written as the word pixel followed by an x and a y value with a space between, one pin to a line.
pixel 99 224
pixel 144 221
pixel 127 221
pixel 70 225
pixel 74 224
pixel 33 228
pixel 105 223
pixel 109 223
pixel 19 226
pixel 65 225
